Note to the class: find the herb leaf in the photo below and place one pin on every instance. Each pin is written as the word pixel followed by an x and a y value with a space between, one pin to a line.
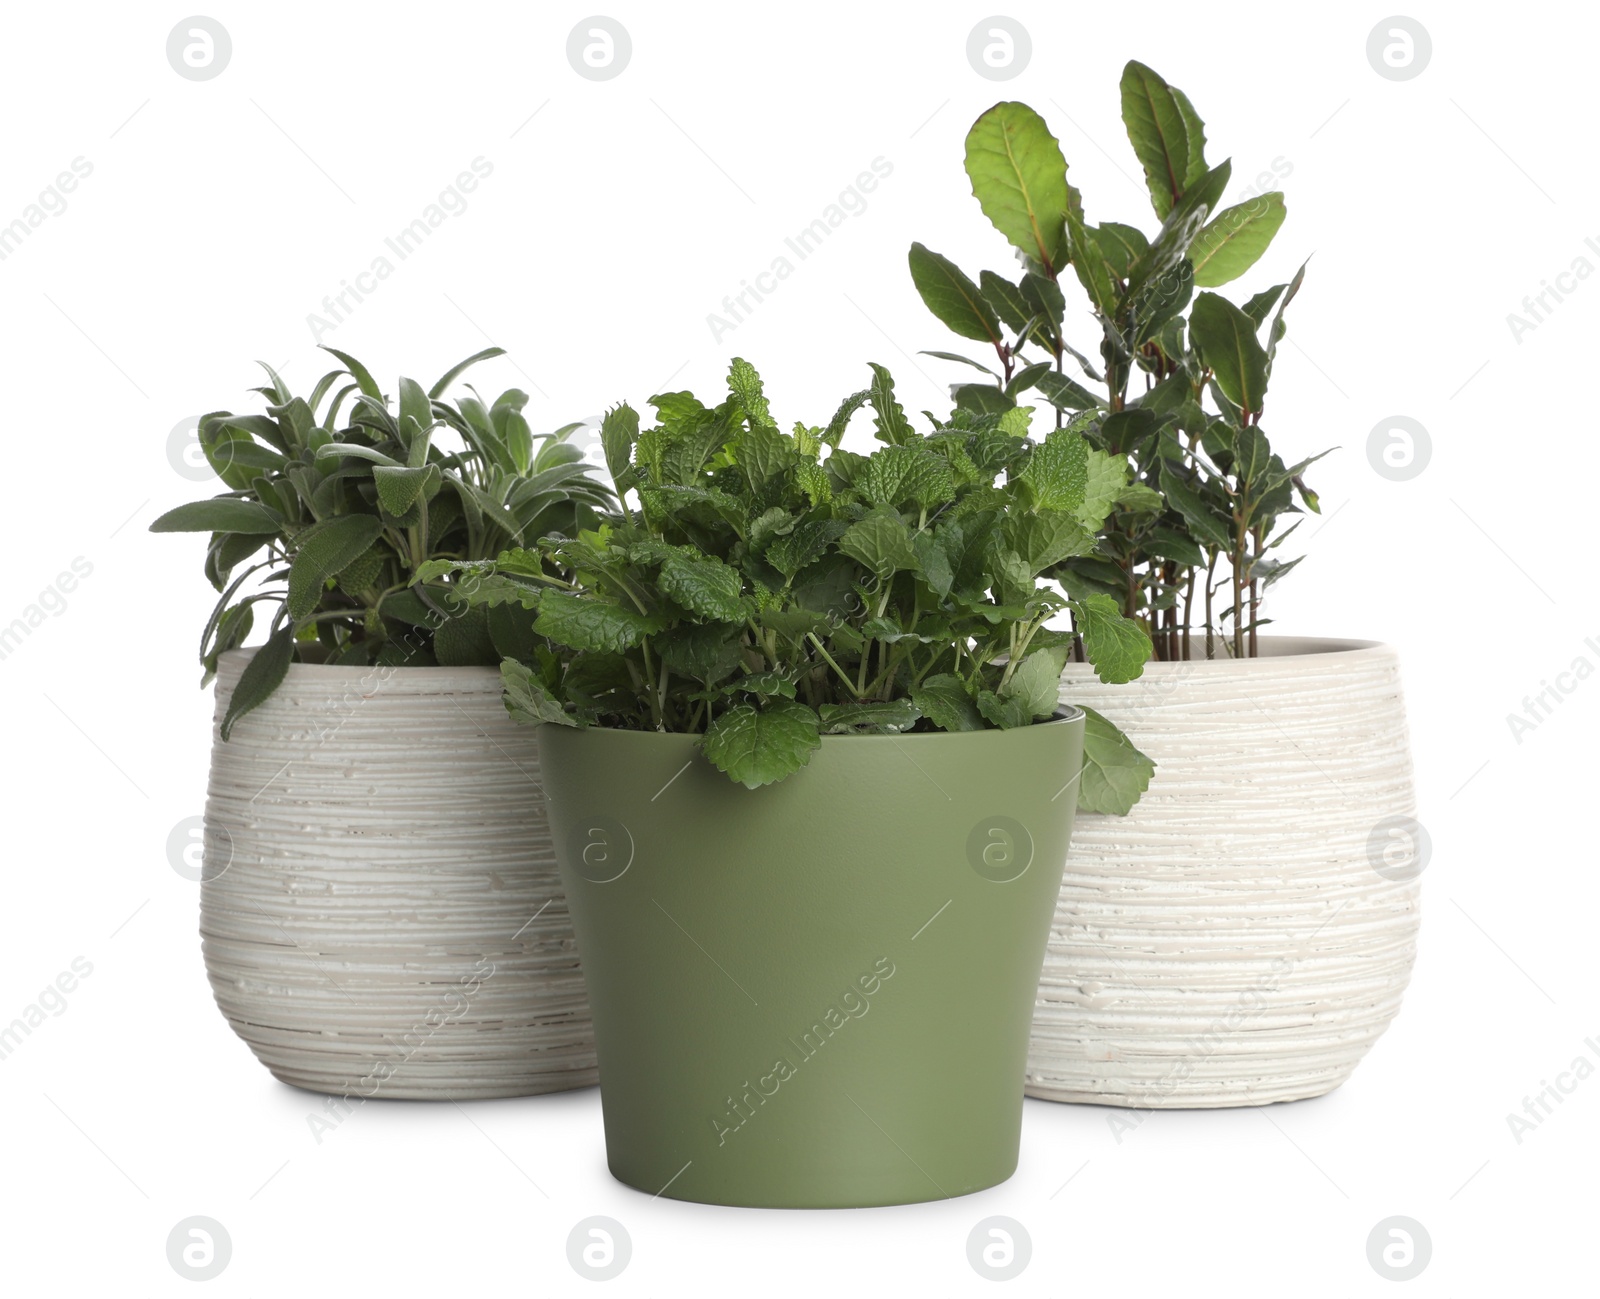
pixel 758 747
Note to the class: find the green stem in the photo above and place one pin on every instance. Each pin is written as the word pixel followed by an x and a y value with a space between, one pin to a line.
pixel 828 659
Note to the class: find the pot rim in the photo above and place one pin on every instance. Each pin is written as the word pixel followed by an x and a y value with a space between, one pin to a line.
pixel 1065 713
pixel 1281 649
pixel 354 671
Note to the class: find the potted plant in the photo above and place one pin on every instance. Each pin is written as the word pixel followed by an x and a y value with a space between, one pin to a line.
pixel 810 784
pixel 1247 932
pixel 380 912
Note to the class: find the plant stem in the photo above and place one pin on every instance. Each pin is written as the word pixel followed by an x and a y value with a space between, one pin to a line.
pixel 1211 591
pixel 649 673
pixel 1255 591
pixel 828 659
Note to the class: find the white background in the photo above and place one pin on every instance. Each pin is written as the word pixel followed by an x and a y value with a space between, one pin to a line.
pixel 217 216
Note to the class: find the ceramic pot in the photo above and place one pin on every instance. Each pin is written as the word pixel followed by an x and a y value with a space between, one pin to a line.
pixel 1246 933
pixel 380 910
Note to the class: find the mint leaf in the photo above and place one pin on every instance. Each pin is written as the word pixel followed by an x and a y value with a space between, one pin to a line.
pixel 872 718
pixel 897 474
pixel 619 430
pixel 707 652
pixel 1056 476
pixel 882 542
pixel 1117 646
pixel 526 698
pixel 889 419
pixel 586 623
pixel 1036 684
pixel 745 384
pixel 1115 773
pixel 1105 482
pixel 1004 711
pixel 703 585
pixel 757 748
pixel 945 701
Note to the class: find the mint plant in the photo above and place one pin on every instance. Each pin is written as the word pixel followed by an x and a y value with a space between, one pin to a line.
pixel 1177 387
pixel 330 528
pixel 764 589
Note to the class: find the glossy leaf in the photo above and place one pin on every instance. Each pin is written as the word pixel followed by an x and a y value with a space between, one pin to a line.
pixel 952 297
pixel 1235 239
pixel 1019 178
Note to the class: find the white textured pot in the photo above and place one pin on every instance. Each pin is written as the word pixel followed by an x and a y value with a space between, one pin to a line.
pixel 380 910
pixel 1233 941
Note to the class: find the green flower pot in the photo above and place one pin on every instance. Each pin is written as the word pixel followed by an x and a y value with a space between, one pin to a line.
pixel 816 994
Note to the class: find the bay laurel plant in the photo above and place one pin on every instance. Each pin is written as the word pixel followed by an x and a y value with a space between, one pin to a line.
pixel 1172 380
pixel 764 589
pixel 327 527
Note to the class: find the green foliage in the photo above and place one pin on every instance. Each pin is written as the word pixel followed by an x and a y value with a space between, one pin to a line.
pixel 355 517
pixel 1182 473
pixel 763 589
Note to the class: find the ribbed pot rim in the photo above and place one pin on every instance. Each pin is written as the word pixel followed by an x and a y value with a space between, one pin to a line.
pixel 1065 715
pixel 1278 649
pixel 444 675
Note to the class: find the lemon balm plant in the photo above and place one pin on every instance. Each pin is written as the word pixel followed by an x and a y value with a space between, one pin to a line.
pixel 764 589
pixel 334 523
pixel 371 807
pixel 794 700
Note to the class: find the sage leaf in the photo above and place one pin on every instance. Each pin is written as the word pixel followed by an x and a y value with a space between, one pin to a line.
pixel 324 551
pixel 263 674
pixel 221 514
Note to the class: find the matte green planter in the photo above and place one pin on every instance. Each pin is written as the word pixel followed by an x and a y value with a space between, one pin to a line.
pixel 818 993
